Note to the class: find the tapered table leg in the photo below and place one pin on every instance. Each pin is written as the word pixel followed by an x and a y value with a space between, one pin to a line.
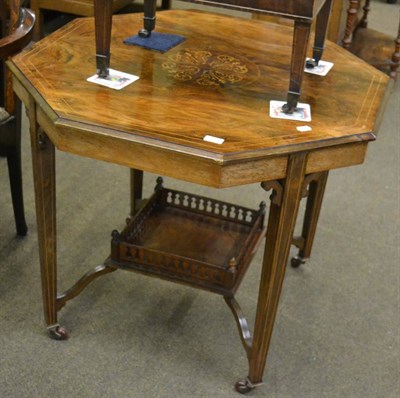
pixel 316 192
pixel 282 218
pixel 149 18
pixel 136 190
pixel 321 28
pixel 43 163
pixel 103 20
pixel 301 36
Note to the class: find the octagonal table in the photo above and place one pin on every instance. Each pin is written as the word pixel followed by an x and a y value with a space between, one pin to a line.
pixel 158 124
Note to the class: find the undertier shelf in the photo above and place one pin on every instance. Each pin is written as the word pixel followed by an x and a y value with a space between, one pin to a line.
pixel 190 239
pixel 376 48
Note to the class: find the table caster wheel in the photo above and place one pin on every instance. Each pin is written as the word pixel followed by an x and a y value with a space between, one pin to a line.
pixel 311 63
pixel 296 261
pixel 58 333
pixel 243 386
pixel 286 108
pixel 144 33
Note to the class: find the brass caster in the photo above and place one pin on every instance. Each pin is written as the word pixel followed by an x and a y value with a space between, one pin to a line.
pixel 296 261
pixel 57 332
pixel 244 386
pixel 311 63
pixel 286 108
pixel 144 33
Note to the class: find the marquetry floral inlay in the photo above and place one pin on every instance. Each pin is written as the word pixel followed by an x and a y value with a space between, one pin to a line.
pixel 205 68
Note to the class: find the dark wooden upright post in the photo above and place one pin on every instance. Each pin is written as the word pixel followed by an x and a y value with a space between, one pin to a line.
pixel 149 18
pixel 103 17
pixel 15 172
pixel 366 9
pixel 136 190
pixel 320 31
pixel 301 36
pixel 396 56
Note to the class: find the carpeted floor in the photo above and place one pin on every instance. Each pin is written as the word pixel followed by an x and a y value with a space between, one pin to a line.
pixel 337 328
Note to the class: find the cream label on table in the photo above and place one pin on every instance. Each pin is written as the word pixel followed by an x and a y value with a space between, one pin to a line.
pixel 302 129
pixel 214 140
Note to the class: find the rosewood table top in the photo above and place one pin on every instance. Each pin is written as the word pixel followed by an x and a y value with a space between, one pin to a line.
pixel 218 82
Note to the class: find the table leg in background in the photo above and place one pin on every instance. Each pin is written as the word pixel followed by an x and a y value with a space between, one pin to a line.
pixel 321 28
pixel 136 184
pixel 316 190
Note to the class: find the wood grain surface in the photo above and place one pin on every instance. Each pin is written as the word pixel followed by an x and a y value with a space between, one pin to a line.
pixel 218 82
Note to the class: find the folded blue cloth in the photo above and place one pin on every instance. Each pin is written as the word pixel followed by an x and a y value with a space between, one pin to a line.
pixel 157 41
